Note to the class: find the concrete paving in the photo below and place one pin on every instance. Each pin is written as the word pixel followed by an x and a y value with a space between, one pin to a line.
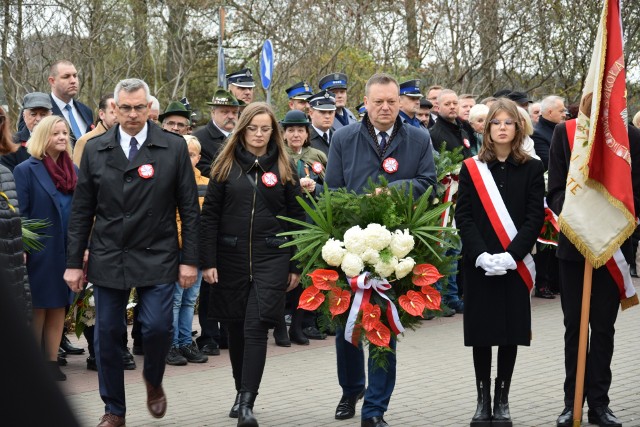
pixel 435 385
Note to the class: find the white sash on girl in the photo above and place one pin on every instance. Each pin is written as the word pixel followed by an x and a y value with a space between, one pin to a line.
pixel 499 215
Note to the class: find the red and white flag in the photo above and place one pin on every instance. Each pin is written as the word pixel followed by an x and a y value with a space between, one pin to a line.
pixel 598 212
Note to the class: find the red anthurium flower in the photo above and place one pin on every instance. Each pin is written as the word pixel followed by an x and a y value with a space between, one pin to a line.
pixel 324 279
pixel 432 298
pixel 311 299
pixel 380 335
pixel 370 316
pixel 425 274
pixel 339 301
pixel 413 303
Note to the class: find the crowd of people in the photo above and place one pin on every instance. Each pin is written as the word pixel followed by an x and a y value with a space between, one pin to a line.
pixel 188 216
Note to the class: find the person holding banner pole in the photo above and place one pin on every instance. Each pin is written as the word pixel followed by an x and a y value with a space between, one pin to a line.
pixel 499 212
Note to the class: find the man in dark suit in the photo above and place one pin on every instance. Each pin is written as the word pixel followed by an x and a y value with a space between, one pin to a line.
pixel 224 116
pixel 356 155
pixel 131 181
pixel 63 78
pixel 322 111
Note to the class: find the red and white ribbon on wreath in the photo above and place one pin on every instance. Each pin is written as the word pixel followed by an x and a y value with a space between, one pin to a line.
pixel 553 219
pixel 450 181
pixel 362 286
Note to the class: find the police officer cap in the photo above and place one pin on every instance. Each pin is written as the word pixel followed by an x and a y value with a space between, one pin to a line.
pixel 411 88
pixel 323 100
pixel 242 78
pixel 333 81
pixel 519 97
pixel 36 100
pixel 295 118
pixel 361 109
pixel 300 90
pixel 223 97
pixel 425 103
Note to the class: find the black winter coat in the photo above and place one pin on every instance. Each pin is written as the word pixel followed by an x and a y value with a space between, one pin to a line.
pixel 238 237
pixel 542 133
pixel 12 266
pixel 134 241
pixel 451 133
pixel 211 140
pixel 497 309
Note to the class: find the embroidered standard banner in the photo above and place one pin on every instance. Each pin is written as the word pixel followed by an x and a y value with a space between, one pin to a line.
pixel 499 215
pixel 598 212
pixel 362 286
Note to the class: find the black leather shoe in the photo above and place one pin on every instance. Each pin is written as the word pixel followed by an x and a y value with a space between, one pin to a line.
pixel 91 363
pixel 210 349
pixel 298 337
pixel 66 345
pixel 374 422
pixel 233 413
pixel 347 406
pixel 566 417
pixel 62 357
pixel 603 416
pixel 128 361
pixel 313 333
pixel 544 293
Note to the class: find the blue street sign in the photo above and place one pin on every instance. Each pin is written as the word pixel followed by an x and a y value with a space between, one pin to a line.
pixel 266 64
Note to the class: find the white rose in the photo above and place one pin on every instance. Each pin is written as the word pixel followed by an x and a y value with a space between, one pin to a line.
pixel 401 243
pixel 377 236
pixel 354 240
pixel 333 251
pixel 92 301
pixel 370 256
pixel 386 269
pixel 90 322
pixel 404 267
pixel 352 264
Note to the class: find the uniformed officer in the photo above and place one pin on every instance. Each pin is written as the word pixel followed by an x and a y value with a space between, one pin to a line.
pixel 241 85
pixel 298 95
pixel 361 110
pixel 410 96
pixel 337 84
pixel 322 112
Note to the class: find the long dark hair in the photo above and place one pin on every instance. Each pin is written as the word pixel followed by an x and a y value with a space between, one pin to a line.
pixel 487 152
pixel 6 143
pixel 223 163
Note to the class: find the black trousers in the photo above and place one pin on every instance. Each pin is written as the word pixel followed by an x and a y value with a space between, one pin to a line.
pixel 248 347
pixel 605 301
pixel 211 331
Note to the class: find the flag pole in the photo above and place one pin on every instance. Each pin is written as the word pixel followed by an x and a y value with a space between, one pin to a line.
pixel 582 346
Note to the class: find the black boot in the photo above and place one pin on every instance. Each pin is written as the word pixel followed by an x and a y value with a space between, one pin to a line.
pixel 245 410
pixel 482 417
pixel 233 413
pixel 281 335
pixel 295 330
pixel 501 415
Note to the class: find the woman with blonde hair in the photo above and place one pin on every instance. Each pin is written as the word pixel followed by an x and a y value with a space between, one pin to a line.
pixel 45 184
pixel 252 182
pixel 499 212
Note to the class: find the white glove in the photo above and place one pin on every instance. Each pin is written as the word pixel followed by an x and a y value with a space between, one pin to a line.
pixel 488 264
pixel 505 260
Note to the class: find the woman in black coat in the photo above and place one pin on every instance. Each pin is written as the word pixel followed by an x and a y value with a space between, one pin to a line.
pixel 499 212
pixel 252 181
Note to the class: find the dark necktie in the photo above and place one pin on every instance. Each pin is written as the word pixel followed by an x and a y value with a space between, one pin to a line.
pixel 133 149
pixel 325 136
pixel 383 139
pixel 72 120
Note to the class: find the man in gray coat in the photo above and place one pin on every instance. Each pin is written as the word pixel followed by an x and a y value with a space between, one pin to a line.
pixel 131 181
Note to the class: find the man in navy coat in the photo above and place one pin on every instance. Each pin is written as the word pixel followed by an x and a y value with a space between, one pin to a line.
pixel 381 144
pixel 131 181
pixel 63 78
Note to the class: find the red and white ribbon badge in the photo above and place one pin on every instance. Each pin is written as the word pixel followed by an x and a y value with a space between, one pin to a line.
pixel 466 143
pixel 362 285
pixel 390 165
pixel 317 167
pixel 269 179
pixel 146 171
